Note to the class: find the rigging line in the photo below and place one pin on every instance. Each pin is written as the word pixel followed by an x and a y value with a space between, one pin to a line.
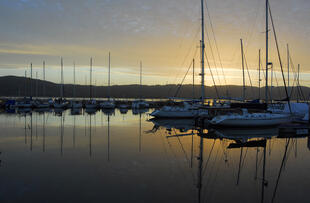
pixel 246 151
pixel 295 76
pixel 186 56
pixel 177 162
pixel 212 54
pixel 269 94
pixel 217 93
pixel 213 182
pixel 180 85
pixel 251 29
pixel 280 170
pixel 279 56
pixel 295 82
pixel 215 65
pixel 211 169
pixel 183 150
pixel 216 46
pixel 299 89
pixel 249 75
pixel 205 167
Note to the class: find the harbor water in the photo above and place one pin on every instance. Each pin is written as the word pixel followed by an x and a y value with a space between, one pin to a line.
pixel 126 157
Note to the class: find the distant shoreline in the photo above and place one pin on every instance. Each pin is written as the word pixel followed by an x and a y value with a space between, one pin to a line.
pixel 13 86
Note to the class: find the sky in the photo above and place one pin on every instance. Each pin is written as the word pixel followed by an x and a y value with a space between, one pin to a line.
pixel 163 34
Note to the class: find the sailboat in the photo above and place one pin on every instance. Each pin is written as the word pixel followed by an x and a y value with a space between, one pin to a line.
pixel 61 103
pixel 108 104
pixel 140 104
pixel 188 110
pixel 26 102
pixel 75 104
pixel 247 119
pixel 42 104
pixel 91 104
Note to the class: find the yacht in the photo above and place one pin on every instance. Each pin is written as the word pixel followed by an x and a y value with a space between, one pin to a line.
pixel 108 104
pixel 247 119
pixel 185 111
pixel 298 110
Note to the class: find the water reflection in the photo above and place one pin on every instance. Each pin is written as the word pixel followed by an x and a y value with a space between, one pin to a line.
pixel 241 139
pixel 147 160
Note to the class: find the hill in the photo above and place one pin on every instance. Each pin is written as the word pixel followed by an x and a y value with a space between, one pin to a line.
pixel 21 86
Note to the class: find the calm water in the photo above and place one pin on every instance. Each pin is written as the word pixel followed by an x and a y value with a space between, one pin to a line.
pixel 125 158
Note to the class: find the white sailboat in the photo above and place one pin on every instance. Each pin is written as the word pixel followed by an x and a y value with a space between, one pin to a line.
pixel 42 104
pixel 75 104
pixel 61 103
pixel 108 104
pixel 250 119
pixel 140 104
pixel 254 119
pixel 188 110
pixel 91 104
pixel 185 111
pixel 26 102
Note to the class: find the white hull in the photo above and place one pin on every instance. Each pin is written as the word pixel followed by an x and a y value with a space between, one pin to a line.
pixel 175 113
pixel 251 120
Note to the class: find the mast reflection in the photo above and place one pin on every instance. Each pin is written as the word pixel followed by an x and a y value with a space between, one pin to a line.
pixel 236 139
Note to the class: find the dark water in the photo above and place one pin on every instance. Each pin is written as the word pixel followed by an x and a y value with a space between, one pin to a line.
pixel 125 158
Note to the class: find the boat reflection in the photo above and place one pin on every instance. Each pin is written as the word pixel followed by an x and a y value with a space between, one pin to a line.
pixel 180 124
pixel 136 111
pixel 76 111
pixel 256 163
pixel 91 111
pixel 243 135
pixel 235 139
pixel 58 111
pixel 108 111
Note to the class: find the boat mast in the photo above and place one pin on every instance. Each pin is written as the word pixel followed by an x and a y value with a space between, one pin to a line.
pixel 243 78
pixel 288 70
pixel 202 55
pixel 26 83
pixel 37 94
pixel 298 84
pixel 200 166
pixel 74 79
pixel 44 87
pixel 61 80
pixel 259 80
pixel 109 78
pixel 267 30
pixel 90 79
pixel 140 80
pixel 31 81
pixel 271 82
pixel 193 79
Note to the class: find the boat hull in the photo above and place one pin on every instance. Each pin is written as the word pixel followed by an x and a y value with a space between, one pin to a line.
pixel 174 114
pixel 252 122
